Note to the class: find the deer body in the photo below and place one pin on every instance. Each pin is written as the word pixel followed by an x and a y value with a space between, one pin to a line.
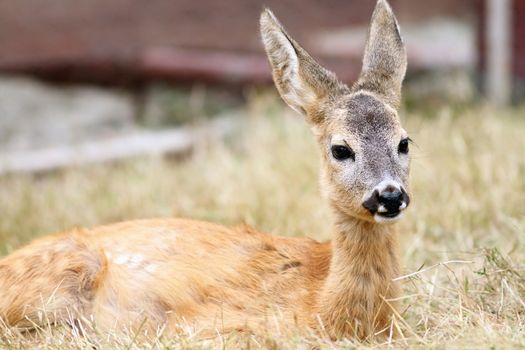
pixel 177 273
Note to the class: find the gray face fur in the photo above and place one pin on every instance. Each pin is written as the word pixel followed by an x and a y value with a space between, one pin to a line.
pixel 372 184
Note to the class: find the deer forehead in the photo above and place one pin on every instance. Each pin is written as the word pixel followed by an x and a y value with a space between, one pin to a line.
pixel 362 118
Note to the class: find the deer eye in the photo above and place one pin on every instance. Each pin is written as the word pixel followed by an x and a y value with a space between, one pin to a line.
pixel 403 146
pixel 341 152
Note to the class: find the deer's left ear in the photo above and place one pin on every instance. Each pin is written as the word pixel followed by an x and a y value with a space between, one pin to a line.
pixel 301 81
pixel 385 58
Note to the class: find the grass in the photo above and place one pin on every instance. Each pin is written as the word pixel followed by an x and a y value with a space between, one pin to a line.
pixel 462 241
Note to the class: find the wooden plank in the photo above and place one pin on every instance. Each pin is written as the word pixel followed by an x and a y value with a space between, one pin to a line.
pixel 143 143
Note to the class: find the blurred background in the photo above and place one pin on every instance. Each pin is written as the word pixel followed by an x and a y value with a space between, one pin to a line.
pixel 73 72
pixel 124 109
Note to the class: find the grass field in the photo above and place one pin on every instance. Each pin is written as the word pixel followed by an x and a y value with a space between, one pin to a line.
pixel 463 240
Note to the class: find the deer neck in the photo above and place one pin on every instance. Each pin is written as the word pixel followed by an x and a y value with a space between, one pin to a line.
pixel 354 300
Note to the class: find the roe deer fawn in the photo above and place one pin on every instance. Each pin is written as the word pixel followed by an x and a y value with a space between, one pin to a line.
pixel 172 272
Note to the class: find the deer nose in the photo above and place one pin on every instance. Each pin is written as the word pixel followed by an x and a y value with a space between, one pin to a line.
pixel 387 201
pixel 391 200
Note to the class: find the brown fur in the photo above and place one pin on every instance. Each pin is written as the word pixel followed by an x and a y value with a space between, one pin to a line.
pixel 182 273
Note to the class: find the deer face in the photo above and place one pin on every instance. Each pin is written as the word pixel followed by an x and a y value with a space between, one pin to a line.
pixel 365 158
pixel 363 145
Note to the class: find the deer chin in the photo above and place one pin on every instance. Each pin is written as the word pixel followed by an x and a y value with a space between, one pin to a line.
pixel 388 218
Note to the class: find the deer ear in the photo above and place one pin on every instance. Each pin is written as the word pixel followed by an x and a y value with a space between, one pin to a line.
pixel 301 81
pixel 385 59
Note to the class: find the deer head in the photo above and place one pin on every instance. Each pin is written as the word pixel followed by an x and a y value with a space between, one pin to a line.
pixel 363 145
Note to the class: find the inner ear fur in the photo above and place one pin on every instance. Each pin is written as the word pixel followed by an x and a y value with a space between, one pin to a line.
pixel 301 81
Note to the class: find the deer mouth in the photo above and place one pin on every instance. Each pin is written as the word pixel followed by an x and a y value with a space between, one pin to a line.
pixel 388 217
pixel 390 214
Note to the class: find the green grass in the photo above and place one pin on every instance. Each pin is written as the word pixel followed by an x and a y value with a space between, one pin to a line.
pixel 462 241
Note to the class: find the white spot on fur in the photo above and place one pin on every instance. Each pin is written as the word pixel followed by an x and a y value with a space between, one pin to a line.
pixel 121 259
pixel 135 260
pixel 150 268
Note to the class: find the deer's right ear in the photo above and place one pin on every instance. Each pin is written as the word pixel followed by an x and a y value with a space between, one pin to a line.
pixel 301 81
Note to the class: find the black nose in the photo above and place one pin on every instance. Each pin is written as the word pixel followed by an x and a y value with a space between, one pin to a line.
pixel 391 200
pixel 388 202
